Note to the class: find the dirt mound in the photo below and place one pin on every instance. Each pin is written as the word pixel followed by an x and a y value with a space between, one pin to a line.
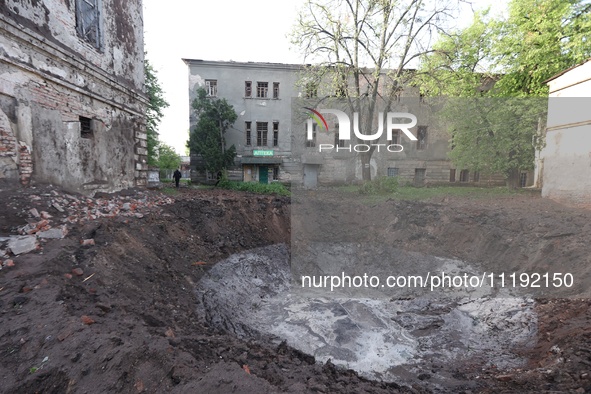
pixel 119 315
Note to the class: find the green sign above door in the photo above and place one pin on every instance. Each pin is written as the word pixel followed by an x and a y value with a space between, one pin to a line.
pixel 260 152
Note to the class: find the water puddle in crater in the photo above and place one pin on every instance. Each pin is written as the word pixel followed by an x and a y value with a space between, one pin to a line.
pixel 251 295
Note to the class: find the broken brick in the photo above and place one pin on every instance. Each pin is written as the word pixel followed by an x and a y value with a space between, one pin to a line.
pixel 77 271
pixel 87 320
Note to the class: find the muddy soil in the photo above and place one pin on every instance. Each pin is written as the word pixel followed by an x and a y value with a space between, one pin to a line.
pixel 128 322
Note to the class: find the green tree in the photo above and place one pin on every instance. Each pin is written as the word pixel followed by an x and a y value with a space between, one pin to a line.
pixel 215 116
pixel 363 48
pixel 154 113
pixel 168 159
pixel 505 57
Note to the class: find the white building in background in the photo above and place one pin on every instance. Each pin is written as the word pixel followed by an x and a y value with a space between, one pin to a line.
pixel 565 162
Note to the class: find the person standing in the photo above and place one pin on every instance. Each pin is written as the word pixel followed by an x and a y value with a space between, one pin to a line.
pixel 177 177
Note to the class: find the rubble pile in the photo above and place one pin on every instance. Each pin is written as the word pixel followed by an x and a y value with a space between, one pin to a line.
pixel 53 212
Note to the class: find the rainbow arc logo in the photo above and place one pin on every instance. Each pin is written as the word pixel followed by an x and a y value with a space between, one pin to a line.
pixel 318 118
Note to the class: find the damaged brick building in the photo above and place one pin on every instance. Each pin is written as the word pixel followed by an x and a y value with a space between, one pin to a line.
pixel 72 102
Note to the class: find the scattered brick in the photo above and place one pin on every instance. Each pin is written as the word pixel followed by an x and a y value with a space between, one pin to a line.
pixel 87 320
pixel 8 263
pixel 78 271
pixel 86 242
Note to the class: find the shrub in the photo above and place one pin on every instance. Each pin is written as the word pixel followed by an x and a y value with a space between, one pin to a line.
pixel 255 187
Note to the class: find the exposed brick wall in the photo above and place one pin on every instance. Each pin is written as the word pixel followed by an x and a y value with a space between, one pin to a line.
pixel 7 143
pixel 25 164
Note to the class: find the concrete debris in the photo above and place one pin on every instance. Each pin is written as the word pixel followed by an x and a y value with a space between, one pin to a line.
pixel 53 233
pixel 72 210
pixel 86 242
pixel 23 244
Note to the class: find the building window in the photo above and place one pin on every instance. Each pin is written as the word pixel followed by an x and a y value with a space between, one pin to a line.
pixel 211 87
pixel 422 137
pixel 464 176
pixel 88 21
pixel 395 137
pixel 311 90
pixel 262 89
pixel 523 179
pixel 275 133
pixel 392 171
pixel 248 89
pixel 86 130
pixel 276 173
pixel 248 129
pixel 312 143
pixel 452 175
pixel 262 129
pixel 476 176
pixel 337 137
pixel 275 90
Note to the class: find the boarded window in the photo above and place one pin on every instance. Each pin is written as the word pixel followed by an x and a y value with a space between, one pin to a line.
pixel 262 89
pixel 392 171
pixel 88 21
pixel 248 89
pixel 275 90
pixel 248 130
pixel 211 87
pixel 422 137
pixel 262 129
pixel 275 133
pixel 86 130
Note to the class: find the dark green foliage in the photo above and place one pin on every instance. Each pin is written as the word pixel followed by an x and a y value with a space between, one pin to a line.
pixel 207 137
pixel 154 114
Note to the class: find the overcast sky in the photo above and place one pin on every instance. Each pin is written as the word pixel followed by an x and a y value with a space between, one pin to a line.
pixel 238 30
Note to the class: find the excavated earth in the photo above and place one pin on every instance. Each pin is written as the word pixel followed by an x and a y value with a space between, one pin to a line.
pixel 120 314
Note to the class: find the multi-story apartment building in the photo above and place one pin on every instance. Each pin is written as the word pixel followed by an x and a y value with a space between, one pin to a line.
pixel 72 102
pixel 271 133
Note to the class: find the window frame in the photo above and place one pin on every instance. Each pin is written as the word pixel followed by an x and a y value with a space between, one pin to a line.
pixel 248 132
pixel 209 87
pixel 262 89
pixel 85 26
pixel 262 134
pixel 247 88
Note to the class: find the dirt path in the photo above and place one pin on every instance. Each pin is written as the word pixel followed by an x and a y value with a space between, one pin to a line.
pixel 126 322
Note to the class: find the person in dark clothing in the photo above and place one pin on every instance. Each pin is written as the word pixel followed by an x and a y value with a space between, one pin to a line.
pixel 177 177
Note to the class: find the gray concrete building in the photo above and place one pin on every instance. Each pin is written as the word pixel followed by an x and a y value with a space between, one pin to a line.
pixel 271 138
pixel 565 162
pixel 72 102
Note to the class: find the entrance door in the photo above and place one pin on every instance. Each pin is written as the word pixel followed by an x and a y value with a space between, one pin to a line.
pixel 310 176
pixel 263 174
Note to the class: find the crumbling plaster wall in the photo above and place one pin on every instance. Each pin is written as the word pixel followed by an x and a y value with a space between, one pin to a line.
pixel 50 77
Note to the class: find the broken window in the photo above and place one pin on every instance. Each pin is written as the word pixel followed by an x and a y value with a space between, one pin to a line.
pixel 86 130
pixel 422 137
pixel 275 133
pixel 247 128
pixel 452 175
pixel 312 143
pixel 275 90
pixel 211 87
pixel 88 21
pixel 247 89
pixel 392 171
pixel 262 89
pixel 464 176
pixel 262 129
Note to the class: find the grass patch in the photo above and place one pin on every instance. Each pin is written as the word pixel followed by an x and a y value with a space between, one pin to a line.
pixel 255 187
pixel 171 191
pixel 378 190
